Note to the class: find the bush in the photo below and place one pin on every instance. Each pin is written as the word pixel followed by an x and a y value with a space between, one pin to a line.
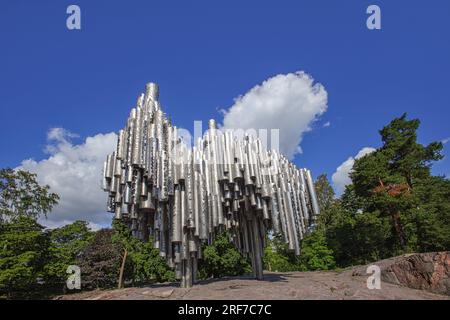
pixel 145 263
pixel 222 259
pixel 315 255
pixel 278 257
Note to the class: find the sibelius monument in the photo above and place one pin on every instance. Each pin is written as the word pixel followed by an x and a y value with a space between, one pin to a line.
pixel 183 196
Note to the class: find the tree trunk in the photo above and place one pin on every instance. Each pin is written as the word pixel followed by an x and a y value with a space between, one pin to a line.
pixel 398 226
pixel 122 267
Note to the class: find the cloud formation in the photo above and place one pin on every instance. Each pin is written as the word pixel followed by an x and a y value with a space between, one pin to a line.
pixel 341 177
pixel 73 171
pixel 288 102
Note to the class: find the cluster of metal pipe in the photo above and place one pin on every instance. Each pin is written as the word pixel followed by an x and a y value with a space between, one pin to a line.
pixel 183 196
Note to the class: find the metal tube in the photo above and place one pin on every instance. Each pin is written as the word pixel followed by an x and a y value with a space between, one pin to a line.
pixel 224 183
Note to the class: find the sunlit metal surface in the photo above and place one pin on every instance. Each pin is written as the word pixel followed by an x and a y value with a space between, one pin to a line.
pixel 183 196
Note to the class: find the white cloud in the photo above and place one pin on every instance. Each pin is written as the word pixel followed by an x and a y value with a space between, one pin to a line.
pixel 327 124
pixel 73 171
pixel 341 177
pixel 289 102
pixel 444 141
pixel 60 134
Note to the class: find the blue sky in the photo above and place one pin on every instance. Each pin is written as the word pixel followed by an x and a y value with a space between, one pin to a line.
pixel 203 54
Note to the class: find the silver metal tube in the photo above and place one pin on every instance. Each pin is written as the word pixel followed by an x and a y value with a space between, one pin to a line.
pixel 224 183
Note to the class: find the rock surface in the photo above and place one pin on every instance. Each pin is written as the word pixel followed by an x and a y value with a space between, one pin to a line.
pixel 426 271
pixel 401 277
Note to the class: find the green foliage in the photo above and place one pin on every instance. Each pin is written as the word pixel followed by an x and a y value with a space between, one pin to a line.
pixel 405 156
pixel 274 261
pixel 100 261
pixel 394 205
pixel 23 243
pixel 395 182
pixel 222 259
pixel 429 218
pixel 144 262
pixel 278 257
pixel 358 238
pixel 315 254
pixel 21 195
pixel 66 244
pixel 325 193
pixel 23 253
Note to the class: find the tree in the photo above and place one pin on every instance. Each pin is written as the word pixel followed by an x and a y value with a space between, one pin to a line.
pixel 144 262
pixel 278 257
pixel 327 201
pixel 222 259
pixel 429 219
pixel 23 254
pixel 345 232
pixel 387 178
pixel 66 245
pixel 23 242
pixel 315 254
pixel 21 195
pixel 405 156
pixel 100 261
pixel 393 206
pixel 357 237
pixel 325 193
pixel 274 261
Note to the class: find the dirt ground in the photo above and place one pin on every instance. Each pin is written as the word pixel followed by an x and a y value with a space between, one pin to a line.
pixel 345 285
